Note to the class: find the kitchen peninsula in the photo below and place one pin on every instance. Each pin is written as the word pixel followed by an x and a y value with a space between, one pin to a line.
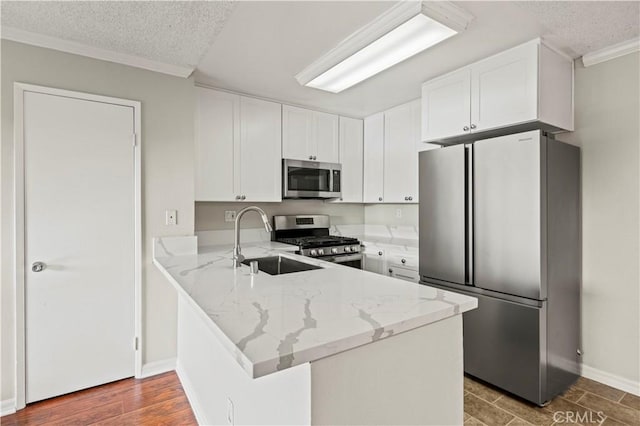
pixel 334 345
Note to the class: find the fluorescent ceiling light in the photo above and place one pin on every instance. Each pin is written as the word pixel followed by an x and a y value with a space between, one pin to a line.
pixel 400 33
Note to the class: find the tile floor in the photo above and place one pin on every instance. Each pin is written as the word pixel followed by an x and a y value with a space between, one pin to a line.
pixel 586 403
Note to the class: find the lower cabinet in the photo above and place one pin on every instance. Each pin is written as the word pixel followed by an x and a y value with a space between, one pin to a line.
pixel 396 264
pixel 374 260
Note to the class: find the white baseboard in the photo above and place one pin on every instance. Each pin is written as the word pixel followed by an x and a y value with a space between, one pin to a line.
pixel 190 392
pixel 611 379
pixel 157 367
pixel 7 406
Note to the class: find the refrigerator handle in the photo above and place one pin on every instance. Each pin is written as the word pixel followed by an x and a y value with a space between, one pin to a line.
pixel 468 160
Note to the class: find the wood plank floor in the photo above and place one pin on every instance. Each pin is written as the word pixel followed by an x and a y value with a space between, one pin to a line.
pixel 160 400
pixel 157 400
pixel 587 403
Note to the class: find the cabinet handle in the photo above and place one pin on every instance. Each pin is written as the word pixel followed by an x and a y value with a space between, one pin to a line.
pixel 465 128
pixel 410 198
pixel 473 126
pixel 314 157
pixel 311 157
pixel 403 261
pixel 406 198
pixel 379 253
pixel 237 197
pixel 244 197
pixel 379 198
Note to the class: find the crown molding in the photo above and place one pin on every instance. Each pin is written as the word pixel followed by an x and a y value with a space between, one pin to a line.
pixel 444 12
pixel 76 48
pixel 611 52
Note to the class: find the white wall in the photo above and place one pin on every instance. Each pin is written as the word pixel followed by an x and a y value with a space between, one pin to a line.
pixel 167 150
pixel 607 111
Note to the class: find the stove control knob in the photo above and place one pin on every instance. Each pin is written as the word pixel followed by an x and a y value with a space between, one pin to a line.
pixel 347 249
pixel 334 251
pixel 313 252
pixel 355 249
pixel 320 252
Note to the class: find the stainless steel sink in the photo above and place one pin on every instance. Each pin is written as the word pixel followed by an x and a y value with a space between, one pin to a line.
pixel 278 265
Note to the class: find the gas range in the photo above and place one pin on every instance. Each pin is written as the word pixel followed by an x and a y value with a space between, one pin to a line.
pixel 311 234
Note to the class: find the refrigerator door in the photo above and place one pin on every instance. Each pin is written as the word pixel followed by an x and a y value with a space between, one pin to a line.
pixel 505 344
pixel 509 172
pixel 442 214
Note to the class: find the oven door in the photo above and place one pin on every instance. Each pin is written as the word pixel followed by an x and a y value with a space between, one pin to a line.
pixel 352 260
pixel 310 179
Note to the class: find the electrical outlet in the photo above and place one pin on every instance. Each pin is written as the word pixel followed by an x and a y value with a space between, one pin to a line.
pixel 398 213
pixel 229 215
pixel 171 217
pixel 229 411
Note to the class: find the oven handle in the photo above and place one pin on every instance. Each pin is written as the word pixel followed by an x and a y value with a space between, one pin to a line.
pixel 341 258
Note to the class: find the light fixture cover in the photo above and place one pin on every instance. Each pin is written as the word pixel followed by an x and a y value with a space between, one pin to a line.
pixel 400 33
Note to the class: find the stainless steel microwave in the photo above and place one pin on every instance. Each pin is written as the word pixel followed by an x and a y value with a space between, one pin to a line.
pixel 310 179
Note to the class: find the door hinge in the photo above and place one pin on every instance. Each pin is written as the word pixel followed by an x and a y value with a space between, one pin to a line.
pixel 135 343
pixel 134 137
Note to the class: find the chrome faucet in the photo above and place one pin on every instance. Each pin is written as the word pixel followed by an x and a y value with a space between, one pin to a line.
pixel 237 253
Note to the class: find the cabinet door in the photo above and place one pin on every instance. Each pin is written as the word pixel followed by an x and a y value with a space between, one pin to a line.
pixel 504 88
pixel 446 106
pixel 373 181
pixel 374 261
pixel 297 133
pixel 351 156
pixel 400 154
pixel 326 141
pixel 260 142
pixel 217 125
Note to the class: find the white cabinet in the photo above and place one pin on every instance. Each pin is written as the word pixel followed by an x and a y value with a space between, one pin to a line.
pixel 217 127
pixel 401 139
pixel 526 84
pixel 374 260
pixel 310 135
pixel 260 152
pixel 446 105
pixel 392 143
pixel 373 183
pixel 238 148
pixel 351 157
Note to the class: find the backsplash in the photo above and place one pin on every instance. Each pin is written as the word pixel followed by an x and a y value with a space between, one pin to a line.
pixel 387 214
pixel 374 220
pixel 210 216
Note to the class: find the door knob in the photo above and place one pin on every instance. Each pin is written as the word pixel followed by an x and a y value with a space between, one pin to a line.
pixel 38 266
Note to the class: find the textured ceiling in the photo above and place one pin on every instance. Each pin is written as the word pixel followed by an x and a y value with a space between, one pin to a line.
pixel 257 47
pixel 584 26
pixel 174 32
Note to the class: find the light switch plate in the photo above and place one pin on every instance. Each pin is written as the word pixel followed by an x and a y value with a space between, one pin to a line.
pixel 171 217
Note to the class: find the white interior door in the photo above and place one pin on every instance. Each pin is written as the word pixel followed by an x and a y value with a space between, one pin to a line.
pixel 79 221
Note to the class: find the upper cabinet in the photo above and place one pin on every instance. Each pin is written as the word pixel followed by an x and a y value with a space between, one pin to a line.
pixel 238 148
pixel 373 184
pixel 401 138
pixel 530 83
pixel 392 143
pixel 310 135
pixel 351 155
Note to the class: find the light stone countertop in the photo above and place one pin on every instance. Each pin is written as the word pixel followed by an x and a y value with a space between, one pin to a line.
pixel 270 323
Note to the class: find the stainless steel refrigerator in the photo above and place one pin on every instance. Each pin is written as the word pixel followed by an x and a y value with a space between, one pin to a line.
pixel 500 220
